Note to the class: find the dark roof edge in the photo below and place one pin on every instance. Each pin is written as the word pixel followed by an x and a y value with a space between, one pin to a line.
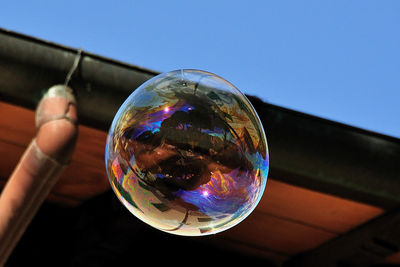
pixel 342 125
pixel 304 150
pixel 74 50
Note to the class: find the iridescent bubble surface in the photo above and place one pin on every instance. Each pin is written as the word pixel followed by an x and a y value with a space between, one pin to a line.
pixel 187 154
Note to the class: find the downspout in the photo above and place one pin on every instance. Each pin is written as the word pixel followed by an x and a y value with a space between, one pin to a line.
pixel 40 166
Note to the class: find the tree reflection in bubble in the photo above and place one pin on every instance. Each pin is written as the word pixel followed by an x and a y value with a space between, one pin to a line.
pixel 187 154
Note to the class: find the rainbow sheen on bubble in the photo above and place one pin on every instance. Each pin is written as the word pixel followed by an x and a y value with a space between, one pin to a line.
pixel 187 154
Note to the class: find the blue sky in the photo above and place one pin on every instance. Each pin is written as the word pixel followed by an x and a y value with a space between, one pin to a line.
pixel 339 60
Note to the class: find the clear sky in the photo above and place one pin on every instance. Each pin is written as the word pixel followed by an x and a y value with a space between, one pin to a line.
pixel 339 60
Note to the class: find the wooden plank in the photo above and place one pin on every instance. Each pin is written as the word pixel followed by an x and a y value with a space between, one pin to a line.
pixel 17 124
pixel 266 232
pixel 9 157
pixel 331 213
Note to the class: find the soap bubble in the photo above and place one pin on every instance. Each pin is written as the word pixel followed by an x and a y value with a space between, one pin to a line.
pixel 186 153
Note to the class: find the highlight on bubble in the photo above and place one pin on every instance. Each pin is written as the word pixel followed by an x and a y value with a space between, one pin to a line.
pixel 187 154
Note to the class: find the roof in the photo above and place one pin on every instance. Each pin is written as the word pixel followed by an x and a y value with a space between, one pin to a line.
pixel 331 185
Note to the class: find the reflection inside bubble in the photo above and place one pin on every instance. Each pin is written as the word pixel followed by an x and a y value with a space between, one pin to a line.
pixel 187 154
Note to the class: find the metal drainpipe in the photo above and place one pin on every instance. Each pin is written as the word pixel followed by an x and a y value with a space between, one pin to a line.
pixel 40 166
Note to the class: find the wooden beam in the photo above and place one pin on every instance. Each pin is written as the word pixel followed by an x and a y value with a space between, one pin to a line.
pixel 316 209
